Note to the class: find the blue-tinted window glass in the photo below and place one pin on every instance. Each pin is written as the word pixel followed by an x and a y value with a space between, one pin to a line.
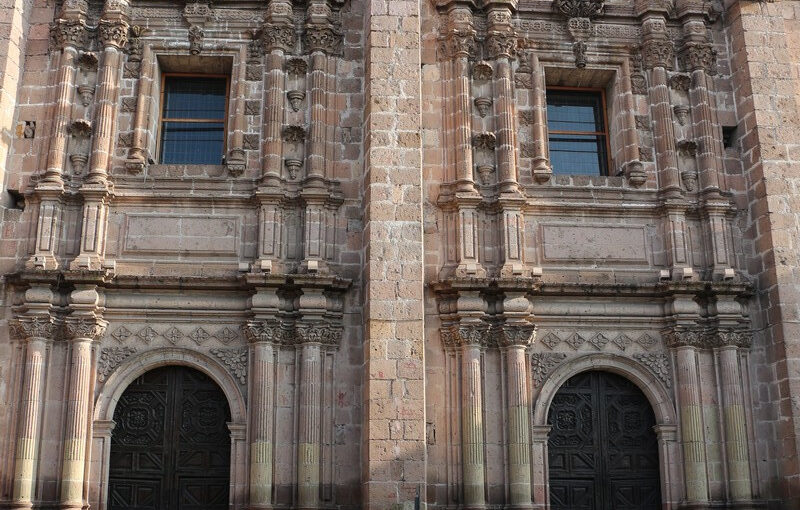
pixel 193 120
pixel 577 138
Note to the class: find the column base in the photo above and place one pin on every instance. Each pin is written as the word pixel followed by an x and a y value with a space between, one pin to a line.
pixel 20 505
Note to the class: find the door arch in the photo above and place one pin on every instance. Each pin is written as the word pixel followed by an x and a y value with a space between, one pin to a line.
pixel 170 448
pixel 602 449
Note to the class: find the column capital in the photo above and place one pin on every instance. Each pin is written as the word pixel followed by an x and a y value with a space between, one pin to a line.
pixel 278 36
pixel 113 33
pixel 270 331
pixel 657 53
pixel 69 33
pixel 733 337
pixel 683 336
pixel 84 327
pixel 516 335
pixel 466 335
pixel 28 327
pixel 318 333
pixel 698 56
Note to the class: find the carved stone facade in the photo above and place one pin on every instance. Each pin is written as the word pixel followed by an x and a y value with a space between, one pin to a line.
pixel 384 275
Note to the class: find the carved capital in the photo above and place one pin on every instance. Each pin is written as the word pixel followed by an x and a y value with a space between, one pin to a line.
pixel 113 33
pixel 686 337
pixel 580 8
pixel 462 335
pixel 68 32
pixel 458 43
pixel 699 57
pixel 84 327
pixel 501 44
pixel 39 326
pixel 323 334
pixel 657 53
pixel 325 38
pixel 736 337
pixel 270 331
pixel 278 36
pixel 516 335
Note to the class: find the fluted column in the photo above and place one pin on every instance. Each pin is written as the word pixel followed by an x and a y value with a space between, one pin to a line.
pixel 278 38
pixel 501 43
pixel 515 339
pixel 236 160
pixel 734 419
pixel 113 34
pixel 685 344
pixel 263 336
pixel 138 155
pixel 310 412
pixel 36 333
pixel 82 331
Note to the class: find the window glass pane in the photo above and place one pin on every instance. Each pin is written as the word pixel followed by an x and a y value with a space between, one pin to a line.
pixel 578 154
pixel 574 111
pixel 192 142
pixel 194 98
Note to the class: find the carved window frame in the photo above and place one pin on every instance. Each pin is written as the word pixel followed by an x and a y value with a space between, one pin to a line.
pixel 606 132
pixel 161 119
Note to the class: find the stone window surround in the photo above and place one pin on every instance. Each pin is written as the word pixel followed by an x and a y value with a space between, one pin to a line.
pixel 159 59
pixel 613 75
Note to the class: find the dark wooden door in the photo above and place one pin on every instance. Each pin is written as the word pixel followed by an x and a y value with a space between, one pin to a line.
pixel 602 449
pixel 170 448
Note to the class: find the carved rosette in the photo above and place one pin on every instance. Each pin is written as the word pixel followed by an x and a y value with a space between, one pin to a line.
pixel 278 36
pixel 699 57
pixel 39 326
pixel 658 53
pixel 113 33
pixel 68 32
pixel 658 364
pixel 84 327
pixel 510 335
pixel 463 335
pixel 323 37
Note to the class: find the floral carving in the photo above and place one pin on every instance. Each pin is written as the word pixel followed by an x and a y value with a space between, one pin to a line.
pixel 516 334
pixel 737 337
pixel 128 104
pixel 125 139
pixel 278 36
pixel 551 340
pixel 579 50
pixel 460 335
pixel 646 341
pixel 580 8
pixel 252 107
pixel 576 340
pixel 271 331
pixel 113 33
pixel 658 53
pixel 80 128
pixel 121 334
pixel 294 134
pixel 459 43
pixel 24 328
pixel 599 341
pixel 318 334
pixel 699 56
pixel 501 45
pixel 622 341
pixel 250 142
pixel 526 117
pixel 682 337
pixel 70 32
pixel 110 358
pixel 84 327
pixel 196 35
pixel 296 66
pixel 485 141
pixel 680 82
pixel 87 61
pixel 658 364
pixel 199 336
pixel 226 335
pixel 324 38
pixel 173 335
pixel 482 71
pixel 542 363
pixel 236 361
pixel 638 84
pixel 147 334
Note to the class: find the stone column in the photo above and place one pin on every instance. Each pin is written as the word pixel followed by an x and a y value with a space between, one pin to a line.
pixel 138 155
pixel 516 337
pixel 82 331
pixel 685 343
pixel 262 336
pixel 501 43
pixel 36 332
pixel 236 160
pixel 278 38
pixel 113 34
pixel 321 41
pixel 734 419
pixel 309 431
pixel 634 170
pixel 542 171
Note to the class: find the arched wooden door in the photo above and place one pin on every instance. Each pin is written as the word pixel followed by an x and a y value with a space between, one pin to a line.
pixel 602 449
pixel 170 448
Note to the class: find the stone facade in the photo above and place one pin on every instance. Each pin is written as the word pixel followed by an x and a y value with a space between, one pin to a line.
pixel 385 277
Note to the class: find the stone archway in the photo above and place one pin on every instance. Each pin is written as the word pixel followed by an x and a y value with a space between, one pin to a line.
pixel 602 449
pixel 170 448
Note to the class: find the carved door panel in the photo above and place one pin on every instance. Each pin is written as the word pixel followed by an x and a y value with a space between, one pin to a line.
pixel 602 450
pixel 170 448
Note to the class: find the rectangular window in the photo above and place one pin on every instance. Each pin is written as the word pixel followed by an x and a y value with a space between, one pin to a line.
pixel 193 113
pixel 577 131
